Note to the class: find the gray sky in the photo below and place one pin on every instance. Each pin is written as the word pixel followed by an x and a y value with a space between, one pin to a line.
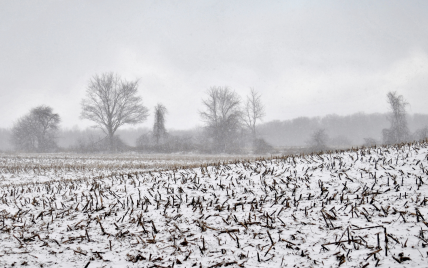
pixel 306 58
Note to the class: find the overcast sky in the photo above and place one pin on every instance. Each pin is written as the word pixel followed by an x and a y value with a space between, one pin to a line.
pixel 306 58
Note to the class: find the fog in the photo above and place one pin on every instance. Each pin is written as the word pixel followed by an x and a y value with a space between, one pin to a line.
pixel 343 132
pixel 317 65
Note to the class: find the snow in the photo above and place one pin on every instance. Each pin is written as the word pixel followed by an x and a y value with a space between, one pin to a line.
pixel 325 210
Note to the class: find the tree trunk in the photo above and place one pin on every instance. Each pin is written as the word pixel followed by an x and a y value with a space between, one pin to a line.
pixel 111 141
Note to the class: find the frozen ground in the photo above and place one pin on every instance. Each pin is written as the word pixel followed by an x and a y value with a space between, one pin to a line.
pixel 33 168
pixel 362 208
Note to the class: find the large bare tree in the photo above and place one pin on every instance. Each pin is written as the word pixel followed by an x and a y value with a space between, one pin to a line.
pixel 399 131
pixel 222 115
pixel 112 102
pixel 36 132
pixel 159 130
pixel 254 111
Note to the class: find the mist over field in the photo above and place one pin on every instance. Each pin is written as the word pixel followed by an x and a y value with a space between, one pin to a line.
pixel 344 131
pixel 211 76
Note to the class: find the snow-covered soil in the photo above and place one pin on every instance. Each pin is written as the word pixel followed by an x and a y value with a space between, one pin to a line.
pixel 33 168
pixel 361 208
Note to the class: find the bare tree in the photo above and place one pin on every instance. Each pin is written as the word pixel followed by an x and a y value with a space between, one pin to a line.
pixel 399 131
pixel 254 111
pixel 318 141
pixel 222 115
pixel 159 130
pixel 421 134
pixel 36 132
pixel 112 102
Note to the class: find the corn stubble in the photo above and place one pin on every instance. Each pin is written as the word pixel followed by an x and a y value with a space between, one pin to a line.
pixel 362 207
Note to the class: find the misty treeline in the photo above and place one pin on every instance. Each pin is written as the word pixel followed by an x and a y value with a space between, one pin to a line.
pixel 231 124
pixel 342 131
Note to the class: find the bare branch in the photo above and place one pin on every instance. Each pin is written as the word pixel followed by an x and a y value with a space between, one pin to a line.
pixel 112 102
pixel 399 131
pixel 222 116
pixel 36 132
pixel 254 111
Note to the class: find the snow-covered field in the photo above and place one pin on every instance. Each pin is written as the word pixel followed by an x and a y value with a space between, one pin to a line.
pixel 361 208
pixel 32 168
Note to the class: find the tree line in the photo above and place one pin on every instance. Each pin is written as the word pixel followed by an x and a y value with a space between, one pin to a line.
pixel 231 125
pixel 112 102
pixel 398 131
pixel 343 131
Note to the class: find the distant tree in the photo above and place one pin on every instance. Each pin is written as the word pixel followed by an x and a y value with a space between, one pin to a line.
pixel 399 131
pixel 112 102
pixel 261 146
pixel 222 115
pixel 145 141
pixel 36 132
pixel 159 130
pixel 369 142
pixel 421 134
pixel 5 139
pixel 318 140
pixel 254 111
pixel 340 141
pixel 93 144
